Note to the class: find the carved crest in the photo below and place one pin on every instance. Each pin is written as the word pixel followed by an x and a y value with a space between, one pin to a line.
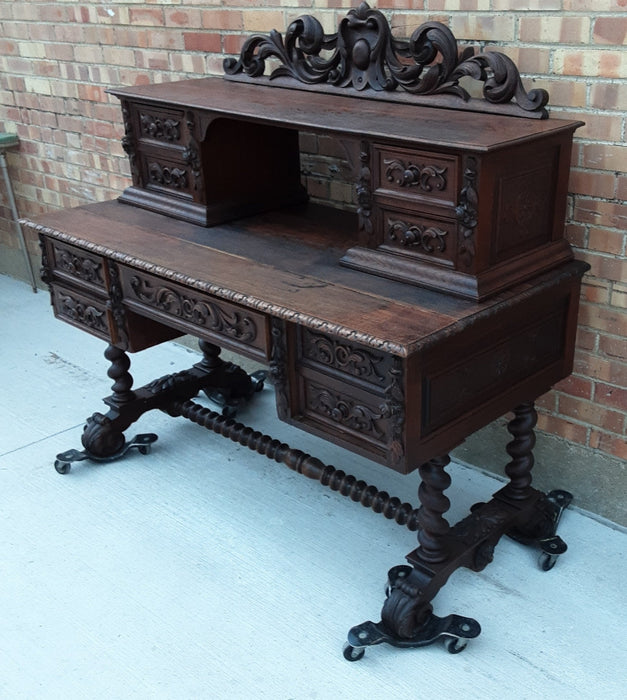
pixel 363 55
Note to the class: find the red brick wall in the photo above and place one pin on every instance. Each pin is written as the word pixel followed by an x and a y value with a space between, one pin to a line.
pixel 56 59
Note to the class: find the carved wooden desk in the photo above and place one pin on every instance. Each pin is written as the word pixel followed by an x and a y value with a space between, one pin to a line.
pixel 446 300
pixel 393 372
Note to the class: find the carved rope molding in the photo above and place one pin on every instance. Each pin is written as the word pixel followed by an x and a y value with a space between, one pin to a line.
pixel 365 56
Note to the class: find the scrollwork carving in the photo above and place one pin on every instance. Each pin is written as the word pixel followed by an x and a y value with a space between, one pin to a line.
pixel 45 272
pixel 344 410
pixel 167 176
pixel 467 213
pixel 235 324
pixel 161 129
pixel 395 402
pixel 338 354
pixel 410 175
pixel 128 140
pixel 80 266
pixel 364 192
pixel 83 313
pixel 115 303
pixel 278 365
pixel 191 154
pixel 365 55
pixel 413 235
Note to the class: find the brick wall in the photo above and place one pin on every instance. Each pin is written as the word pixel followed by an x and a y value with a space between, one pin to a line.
pixel 57 58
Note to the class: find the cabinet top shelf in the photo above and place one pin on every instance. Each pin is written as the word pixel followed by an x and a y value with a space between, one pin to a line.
pixel 346 115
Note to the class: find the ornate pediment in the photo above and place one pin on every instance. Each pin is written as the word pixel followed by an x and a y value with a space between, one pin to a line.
pixel 363 56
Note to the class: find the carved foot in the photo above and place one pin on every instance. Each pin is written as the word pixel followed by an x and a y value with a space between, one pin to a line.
pixel 408 621
pixel 64 460
pixel 541 528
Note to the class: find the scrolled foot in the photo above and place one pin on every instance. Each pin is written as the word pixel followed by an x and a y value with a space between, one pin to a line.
pixel 64 460
pixel 454 630
pixel 542 528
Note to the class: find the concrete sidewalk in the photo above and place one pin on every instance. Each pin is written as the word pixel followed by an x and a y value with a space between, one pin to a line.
pixel 204 570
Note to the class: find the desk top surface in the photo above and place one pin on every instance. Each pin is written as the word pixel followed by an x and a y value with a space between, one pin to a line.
pixel 351 116
pixel 258 263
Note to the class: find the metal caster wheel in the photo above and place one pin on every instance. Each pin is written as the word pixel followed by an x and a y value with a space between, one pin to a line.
pixel 454 645
pixel 547 561
pixel 351 653
pixel 62 467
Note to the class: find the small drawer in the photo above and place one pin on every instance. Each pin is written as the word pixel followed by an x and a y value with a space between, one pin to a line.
pixel 194 312
pixel 166 172
pixel 343 359
pixel 353 416
pixel 416 175
pixel 425 237
pixel 81 310
pixel 76 265
pixel 160 124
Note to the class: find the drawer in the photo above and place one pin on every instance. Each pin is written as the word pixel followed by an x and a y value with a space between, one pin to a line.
pixel 419 175
pixel 166 171
pixel 338 357
pixel 76 265
pixel 160 124
pixel 347 393
pixel 194 312
pixel 346 413
pixel 425 237
pixel 81 310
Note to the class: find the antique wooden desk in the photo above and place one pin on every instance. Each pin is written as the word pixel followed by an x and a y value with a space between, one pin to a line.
pixel 448 299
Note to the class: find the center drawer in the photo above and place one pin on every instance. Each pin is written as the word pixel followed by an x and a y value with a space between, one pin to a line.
pixel 197 313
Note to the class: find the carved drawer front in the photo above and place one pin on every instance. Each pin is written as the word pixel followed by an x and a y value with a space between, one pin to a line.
pixel 353 416
pixel 166 172
pixel 160 124
pixel 81 310
pixel 432 239
pixel 350 393
pixel 197 313
pixel 75 265
pixel 343 359
pixel 417 175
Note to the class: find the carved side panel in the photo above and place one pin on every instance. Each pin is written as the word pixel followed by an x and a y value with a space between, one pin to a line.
pixel 524 204
pixel 451 391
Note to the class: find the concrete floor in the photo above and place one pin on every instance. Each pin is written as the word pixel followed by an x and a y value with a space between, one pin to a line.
pixel 203 570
